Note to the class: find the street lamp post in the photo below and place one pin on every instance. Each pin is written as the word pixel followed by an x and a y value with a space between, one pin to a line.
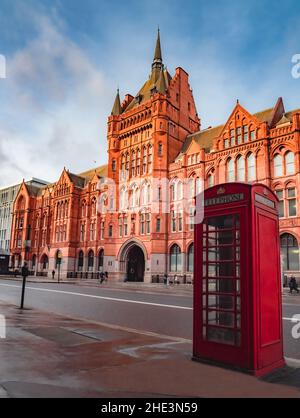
pixel 59 258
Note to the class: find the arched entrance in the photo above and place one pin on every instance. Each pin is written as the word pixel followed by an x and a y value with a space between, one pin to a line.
pixel 135 263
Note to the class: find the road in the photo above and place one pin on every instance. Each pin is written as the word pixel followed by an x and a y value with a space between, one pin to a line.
pixel 160 313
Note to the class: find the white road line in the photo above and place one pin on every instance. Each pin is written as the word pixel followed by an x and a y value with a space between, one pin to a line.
pixel 101 297
pixel 115 299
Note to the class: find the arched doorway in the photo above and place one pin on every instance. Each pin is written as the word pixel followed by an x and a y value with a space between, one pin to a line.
pixel 135 261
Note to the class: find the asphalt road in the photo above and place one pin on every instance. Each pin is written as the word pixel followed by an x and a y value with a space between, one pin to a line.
pixel 161 313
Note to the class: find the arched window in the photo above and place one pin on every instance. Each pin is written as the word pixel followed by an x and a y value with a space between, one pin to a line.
pixel 94 206
pixel 44 262
pixel 190 258
pixel 230 170
pixel 179 190
pixel 278 169
pixel 175 258
pixel 33 261
pixel 101 260
pixel 91 259
pixel 198 185
pixel 133 164
pixel 210 181
pixel 251 169
pixel 240 165
pixel 289 252
pixel 160 149
pixel 114 165
pixel 83 209
pixel 289 163
pixel 80 260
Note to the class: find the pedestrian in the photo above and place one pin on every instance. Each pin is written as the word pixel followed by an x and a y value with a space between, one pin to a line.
pixel 166 280
pixel 25 274
pixel 25 271
pixel 53 274
pixel 293 285
pixel 102 277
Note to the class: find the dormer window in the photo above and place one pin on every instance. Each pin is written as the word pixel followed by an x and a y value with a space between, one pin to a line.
pixel 154 90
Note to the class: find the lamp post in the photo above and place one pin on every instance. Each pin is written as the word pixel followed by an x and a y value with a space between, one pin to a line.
pixel 59 258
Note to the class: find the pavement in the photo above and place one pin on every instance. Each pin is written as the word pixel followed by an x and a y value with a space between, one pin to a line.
pixel 49 355
pixel 181 289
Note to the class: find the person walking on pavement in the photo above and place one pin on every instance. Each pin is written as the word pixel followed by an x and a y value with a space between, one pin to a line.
pixel 25 274
pixel 293 285
pixel 53 274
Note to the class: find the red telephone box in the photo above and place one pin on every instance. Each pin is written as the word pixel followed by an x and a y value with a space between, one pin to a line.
pixel 237 285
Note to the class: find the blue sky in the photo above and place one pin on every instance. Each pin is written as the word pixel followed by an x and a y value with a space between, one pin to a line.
pixel 65 59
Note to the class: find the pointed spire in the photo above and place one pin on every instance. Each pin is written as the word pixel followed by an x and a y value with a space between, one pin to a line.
pixel 157 60
pixel 157 53
pixel 117 109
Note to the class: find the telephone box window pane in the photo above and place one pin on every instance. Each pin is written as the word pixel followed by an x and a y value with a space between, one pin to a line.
pixel 220 335
pixel 204 300
pixel 221 285
pixel 224 301
pixel 238 321
pixel 204 290
pixel 221 318
pixel 238 286
pixel 238 303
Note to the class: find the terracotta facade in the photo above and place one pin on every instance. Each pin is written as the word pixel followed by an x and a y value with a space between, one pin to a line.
pixel 130 218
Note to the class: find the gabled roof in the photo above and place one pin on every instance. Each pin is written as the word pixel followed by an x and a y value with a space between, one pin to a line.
pixel 203 138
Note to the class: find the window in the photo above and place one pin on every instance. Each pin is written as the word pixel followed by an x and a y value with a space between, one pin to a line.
pixel 102 228
pixel 278 172
pixel 125 227
pixel 245 133
pixel 239 135
pixel 91 260
pixel 92 231
pixel 80 260
pixel 120 227
pixel 252 135
pixel 190 258
pixel 210 180
pixel 291 199
pixel 101 260
pixel 230 170
pixel 142 224
pixel 279 194
pixel 240 169
pixel 175 258
pixel 198 185
pixel 158 225
pixel 148 223
pixel 226 143
pixel 289 252
pixel 82 232
pixel 173 220
pixel 289 163
pixel 251 175
pixel 160 149
pixel 180 216
pixel 110 231
pixel 232 137
pixel 114 165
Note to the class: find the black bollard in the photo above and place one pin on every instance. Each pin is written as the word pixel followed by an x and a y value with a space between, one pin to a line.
pixel 23 292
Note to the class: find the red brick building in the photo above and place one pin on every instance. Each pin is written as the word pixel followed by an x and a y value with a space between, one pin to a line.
pixel 140 228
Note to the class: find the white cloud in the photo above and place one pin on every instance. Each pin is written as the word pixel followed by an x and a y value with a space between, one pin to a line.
pixel 53 113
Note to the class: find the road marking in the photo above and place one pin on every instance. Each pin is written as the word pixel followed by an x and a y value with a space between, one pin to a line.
pixel 101 297
pixel 114 299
